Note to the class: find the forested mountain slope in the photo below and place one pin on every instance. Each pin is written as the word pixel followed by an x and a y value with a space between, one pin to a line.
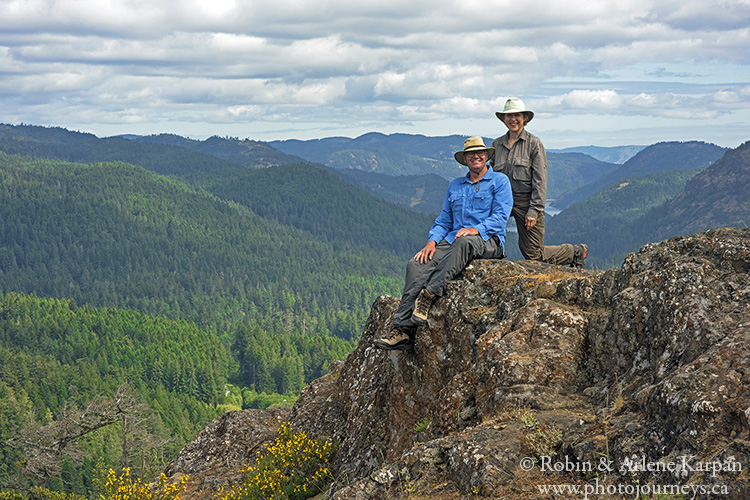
pixel 659 157
pixel 623 216
pixel 156 381
pixel 313 199
pixel 77 147
pixel 57 357
pixel 611 221
pixel 321 203
pixel 718 196
pixel 117 235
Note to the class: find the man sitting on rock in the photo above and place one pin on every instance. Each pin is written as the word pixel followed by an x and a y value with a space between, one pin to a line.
pixel 470 226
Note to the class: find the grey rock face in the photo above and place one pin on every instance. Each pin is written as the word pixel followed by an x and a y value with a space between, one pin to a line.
pixel 213 460
pixel 647 364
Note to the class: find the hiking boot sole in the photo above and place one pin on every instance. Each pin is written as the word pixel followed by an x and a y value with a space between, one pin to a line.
pixel 580 264
pixel 418 319
pixel 402 346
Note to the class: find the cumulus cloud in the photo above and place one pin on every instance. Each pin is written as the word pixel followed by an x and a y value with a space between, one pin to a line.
pixel 693 15
pixel 592 99
pixel 323 65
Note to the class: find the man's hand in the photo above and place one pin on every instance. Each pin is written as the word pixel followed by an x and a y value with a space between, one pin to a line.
pixel 467 231
pixel 426 253
pixel 530 222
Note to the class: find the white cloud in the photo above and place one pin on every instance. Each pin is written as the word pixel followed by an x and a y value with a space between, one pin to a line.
pixel 324 64
pixel 692 15
pixel 590 100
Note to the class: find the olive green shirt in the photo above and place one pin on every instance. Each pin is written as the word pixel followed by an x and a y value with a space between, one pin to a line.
pixel 525 164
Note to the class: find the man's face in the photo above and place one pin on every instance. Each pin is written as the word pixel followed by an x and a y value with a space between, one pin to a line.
pixel 476 160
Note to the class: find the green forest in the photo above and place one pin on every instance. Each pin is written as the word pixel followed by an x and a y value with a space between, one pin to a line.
pixel 148 285
pixel 115 278
pixel 618 218
pixel 57 357
pixel 116 235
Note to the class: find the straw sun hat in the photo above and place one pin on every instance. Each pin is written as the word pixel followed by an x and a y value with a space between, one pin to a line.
pixel 473 144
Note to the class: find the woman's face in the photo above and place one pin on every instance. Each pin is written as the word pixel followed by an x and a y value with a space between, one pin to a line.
pixel 514 122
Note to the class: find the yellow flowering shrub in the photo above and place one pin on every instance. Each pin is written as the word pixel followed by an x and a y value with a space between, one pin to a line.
pixel 293 467
pixel 10 495
pixel 123 487
pixel 40 493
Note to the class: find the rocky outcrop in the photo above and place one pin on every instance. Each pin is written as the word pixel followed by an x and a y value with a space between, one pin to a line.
pixel 607 373
pixel 214 459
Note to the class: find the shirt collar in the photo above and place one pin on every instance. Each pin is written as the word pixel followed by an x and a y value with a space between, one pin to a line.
pixel 487 175
pixel 521 137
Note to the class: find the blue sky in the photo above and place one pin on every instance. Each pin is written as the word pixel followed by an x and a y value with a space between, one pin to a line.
pixel 595 73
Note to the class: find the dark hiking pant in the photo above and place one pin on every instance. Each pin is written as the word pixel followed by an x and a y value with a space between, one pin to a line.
pixel 531 241
pixel 434 275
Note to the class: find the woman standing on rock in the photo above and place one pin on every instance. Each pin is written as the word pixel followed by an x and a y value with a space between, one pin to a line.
pixel 521 156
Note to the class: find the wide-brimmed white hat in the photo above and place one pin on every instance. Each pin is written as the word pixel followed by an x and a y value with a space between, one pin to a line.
pixel 515 105
pixel 471 145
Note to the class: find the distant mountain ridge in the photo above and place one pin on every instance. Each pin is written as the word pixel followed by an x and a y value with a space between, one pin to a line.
pixel 376 153
pixel 61 144
pixel 395 154
pixel 573 176
pixel 656 158
pixel 614 154
pixel 416 155
pixel 113 234
pixel 364 153
pixel 245 152
pixel 717 196
pixel 318 150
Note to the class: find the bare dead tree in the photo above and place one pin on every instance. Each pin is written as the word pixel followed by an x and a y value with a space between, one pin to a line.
pixel 46 446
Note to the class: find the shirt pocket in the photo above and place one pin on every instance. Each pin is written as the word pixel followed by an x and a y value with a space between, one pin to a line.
pixel 482 203
pixel 520 174
pixel 457 205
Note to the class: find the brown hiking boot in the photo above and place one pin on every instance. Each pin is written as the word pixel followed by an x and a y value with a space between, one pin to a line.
pixel 580 252
pixel 398 337
pixel 422 306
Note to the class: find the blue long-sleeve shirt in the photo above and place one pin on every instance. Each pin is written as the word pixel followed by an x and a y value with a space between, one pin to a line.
pixel 485 205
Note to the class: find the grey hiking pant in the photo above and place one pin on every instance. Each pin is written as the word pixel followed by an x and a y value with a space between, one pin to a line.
pixel 434 275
